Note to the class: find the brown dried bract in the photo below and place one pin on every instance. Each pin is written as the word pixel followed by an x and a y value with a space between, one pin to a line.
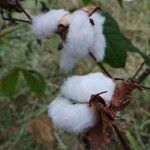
pixel 100 135
pixel 90 9
pixel 122 94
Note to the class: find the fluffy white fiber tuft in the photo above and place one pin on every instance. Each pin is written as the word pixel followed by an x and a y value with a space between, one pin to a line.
pixel 99 45
pixel 67 61
pixel 80 88
pixel 44 25
pixel 79 38
pixel 74 118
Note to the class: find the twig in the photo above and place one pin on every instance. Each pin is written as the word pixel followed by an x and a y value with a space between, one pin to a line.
pixel 138 70
pixel 100 65
pixel 13 19
pixel 145 87
pixel 16 20
pixel 23 10
pixel 121 138
pixel 121 79
pixel 144 75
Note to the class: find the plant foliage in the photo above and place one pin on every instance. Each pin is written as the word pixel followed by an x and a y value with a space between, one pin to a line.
pixel 117 44
pixel 34 80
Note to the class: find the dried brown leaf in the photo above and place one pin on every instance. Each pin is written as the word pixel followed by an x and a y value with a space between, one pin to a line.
pixel 41 128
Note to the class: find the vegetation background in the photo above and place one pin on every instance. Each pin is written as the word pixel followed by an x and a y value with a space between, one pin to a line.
pixel 19 48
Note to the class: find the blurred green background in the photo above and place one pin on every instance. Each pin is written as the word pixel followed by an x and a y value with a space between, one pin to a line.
pixel 19 48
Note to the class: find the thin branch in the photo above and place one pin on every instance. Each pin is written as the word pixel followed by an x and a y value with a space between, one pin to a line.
pixel 138 70
pixel 16 20
pixel 144 75
pixel 100 65
pixel 13 19
pixel 145 87
pixel 121 138
pixel 121 79
pixel 23 10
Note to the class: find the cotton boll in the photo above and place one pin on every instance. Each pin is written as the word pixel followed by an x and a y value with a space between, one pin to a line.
pixel 67 61
pixel 46 24
pixel 74 118
pixel 80 88
pixel 99 45
pixel 80 35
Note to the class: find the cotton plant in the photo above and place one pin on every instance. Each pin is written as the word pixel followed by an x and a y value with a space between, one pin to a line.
pixel 70 110
pixel 87 105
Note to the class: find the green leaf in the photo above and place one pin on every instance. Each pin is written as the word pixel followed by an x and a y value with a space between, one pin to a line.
pixel 35 81
pixel 9 83
pixel 117 44
pixel 86 1
pixel 116 54
pixel 120 2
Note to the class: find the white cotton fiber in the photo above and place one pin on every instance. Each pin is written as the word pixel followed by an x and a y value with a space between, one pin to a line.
pixel 80 88
pixel 67 61
pixel 46 24
pixel 74 118
pixel 99 45
pixel 80 35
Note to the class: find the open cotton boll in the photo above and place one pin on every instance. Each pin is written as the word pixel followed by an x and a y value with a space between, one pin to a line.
pixel 80 88
pixel 67 61
pixel 80 34
pixel 99 45
pixel 46 24
pixel 74 118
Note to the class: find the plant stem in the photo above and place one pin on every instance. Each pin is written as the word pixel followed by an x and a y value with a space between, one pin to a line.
pixel 23 10
pixel 144 75
pixel 100 65
pixel 138 70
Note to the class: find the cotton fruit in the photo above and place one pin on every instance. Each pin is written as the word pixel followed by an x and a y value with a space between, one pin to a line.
pixel 83 38
pixel 80 88
pixel 79 39
pixel 44 25
pixel 74 118
pixel 70 110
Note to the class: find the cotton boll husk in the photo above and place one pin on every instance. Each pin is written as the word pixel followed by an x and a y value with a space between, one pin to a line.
pixel 74 118
pixel 44 25
pixel 67 61
pixel 80 88
pixel 99 45
pixel 80 35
